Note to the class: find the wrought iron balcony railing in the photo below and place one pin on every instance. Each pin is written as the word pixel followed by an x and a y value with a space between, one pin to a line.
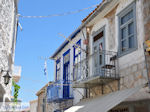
pixel 57 92
pixel 102 63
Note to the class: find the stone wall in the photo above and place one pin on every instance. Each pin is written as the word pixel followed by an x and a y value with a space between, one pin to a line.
pixel 7 31
pixel 110 87
pixel 133 75
pixel 6 20
pixel 146 17
pixel 40 101
pixel 112 30
pixel 66 104
pixel 146 20
pixel 132 66
pixel 62 105
pixel 33 105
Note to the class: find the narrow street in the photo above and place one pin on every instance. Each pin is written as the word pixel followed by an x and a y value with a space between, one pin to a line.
pixel 75 56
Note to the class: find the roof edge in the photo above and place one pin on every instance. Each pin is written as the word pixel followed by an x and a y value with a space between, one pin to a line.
pixel 94 14
pixel 65 43
pixel 42 89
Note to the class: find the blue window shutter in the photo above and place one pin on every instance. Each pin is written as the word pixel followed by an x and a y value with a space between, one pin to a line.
pixel 127 30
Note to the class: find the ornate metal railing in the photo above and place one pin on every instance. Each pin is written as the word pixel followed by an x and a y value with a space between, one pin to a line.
pixel 55 91
pixel 102 63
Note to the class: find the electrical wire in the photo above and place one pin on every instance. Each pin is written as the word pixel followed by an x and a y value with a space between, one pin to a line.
pixel 62 14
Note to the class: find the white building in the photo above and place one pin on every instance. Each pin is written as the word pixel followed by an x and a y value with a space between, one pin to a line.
pixel 34 106
pixel 111 58
pixel 66 56
pixel 8 34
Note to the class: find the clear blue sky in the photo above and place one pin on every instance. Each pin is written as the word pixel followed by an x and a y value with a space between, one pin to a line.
pixel 40 38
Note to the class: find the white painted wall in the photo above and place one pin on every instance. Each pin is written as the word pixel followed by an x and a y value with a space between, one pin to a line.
pixel 75 92
pixel 33 106
pixel 8 28
pixel 131 58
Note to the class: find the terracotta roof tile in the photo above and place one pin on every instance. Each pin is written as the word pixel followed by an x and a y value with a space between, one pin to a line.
pixel 92 11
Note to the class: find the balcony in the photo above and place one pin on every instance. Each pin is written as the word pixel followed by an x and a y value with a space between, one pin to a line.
pixel 99 68
pixel 16 73
pixel 56 92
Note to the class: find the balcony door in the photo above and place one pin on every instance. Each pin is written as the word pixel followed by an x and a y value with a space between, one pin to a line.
pixel 98 50
pixel 66 73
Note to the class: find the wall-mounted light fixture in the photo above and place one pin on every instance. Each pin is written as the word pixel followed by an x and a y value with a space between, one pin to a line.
pixel 6 77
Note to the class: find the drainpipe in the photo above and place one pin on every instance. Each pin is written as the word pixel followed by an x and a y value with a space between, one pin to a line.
pixel 87 54
pixel 146 63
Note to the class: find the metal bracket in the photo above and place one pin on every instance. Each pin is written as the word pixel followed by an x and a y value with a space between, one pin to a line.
pixel 79 92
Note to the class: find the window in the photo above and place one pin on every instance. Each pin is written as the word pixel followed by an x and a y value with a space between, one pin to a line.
pixel 77 52
pixel 77 59
pixel 58 70
pixel 127 30
pixel 97 37
pixel 66 58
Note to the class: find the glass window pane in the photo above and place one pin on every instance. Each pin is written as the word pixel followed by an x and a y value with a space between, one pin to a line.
pixel 131 42
pixel 58 65
pixel 130 15
pixel 76 60
pixel 95 49
pixel 76 51
pixel 123 19
pixel 123 33
pixel 101 46
pixel 66 58
pixel 124 45
pixel 127 17
pixel 95 61
pixel 79 58
pixel 79 50
pixel 131 29
pixel 100 59
pixel 58 74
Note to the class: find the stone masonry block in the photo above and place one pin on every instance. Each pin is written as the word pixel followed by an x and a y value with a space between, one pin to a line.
pixel 144 73
pixel 137 73
pixel 134 68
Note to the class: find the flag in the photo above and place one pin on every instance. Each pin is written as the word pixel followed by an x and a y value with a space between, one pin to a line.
pixel 45 68
pixel 101 47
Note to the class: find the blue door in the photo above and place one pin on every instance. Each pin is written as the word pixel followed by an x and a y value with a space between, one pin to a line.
pixel 66 73
pixel 66 81
pixel 99 54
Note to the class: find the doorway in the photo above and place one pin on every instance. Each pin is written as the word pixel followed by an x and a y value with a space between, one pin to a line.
pixel 66 72
pixel 98 53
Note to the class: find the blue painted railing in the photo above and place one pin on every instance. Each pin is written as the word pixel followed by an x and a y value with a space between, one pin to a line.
pixel 55 91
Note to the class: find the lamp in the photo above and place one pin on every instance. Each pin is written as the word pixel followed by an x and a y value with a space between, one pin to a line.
pixel 6 78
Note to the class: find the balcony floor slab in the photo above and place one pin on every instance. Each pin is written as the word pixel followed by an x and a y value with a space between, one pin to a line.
pixel 93 81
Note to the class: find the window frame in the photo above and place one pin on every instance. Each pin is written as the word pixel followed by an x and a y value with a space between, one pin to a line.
pixel 66 62
pixel 124 12
pixel 79 53
pixel 58 62
pixel 76 56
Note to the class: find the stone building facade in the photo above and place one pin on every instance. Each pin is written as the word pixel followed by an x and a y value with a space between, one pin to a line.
pixel 115 26
pixel 146 20
pixel 33 106
pixel 44 106
pixel 41 101
pixel 132 67
pixel 8 33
